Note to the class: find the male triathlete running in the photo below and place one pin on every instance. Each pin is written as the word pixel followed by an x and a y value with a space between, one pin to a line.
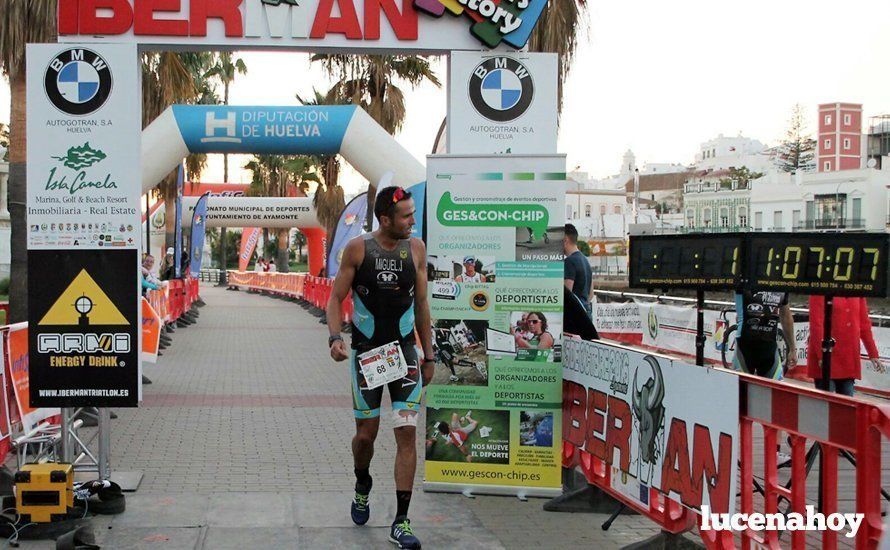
pixel 758 316
pixel 386 271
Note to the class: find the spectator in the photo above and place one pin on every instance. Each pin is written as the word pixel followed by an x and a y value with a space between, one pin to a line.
pixel 578 275
pixel 849 325
pixel 148 263
pixel 258 267
pixel 184 264
pixel 272 268
pixel 168 269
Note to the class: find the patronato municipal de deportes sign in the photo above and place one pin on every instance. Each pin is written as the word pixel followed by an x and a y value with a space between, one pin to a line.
pixel 301 24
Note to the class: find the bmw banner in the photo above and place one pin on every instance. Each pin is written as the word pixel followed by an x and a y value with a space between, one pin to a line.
pixel 503 103
pixel 84 166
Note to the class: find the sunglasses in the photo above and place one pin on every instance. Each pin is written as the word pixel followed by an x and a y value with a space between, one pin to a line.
pixel 533 321
pixel 399 195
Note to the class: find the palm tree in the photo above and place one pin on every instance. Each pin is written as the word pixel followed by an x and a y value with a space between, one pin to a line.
pixel 275 176
pixel 557 32
pixel 328 200
pixel 21 22
pixel 225 69
pixel 369 81
pixel 169 78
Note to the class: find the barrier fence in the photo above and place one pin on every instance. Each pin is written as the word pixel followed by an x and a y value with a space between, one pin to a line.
pixel 314 290
pixel 667 324
pixel 814 421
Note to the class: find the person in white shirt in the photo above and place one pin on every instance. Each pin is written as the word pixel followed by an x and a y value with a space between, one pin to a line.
pixel 148 263
pixel 470 275
pixel 272 268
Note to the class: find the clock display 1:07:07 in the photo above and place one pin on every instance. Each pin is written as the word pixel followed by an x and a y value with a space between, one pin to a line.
pixel 819 263
pixel 836 263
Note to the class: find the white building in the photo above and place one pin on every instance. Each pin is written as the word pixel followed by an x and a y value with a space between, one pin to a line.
pixel 846 200
pixel 723 153
pixel 653 168
pixel 590 205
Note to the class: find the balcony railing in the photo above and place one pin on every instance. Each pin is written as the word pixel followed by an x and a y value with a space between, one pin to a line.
pixel 828 224
pixel 715 229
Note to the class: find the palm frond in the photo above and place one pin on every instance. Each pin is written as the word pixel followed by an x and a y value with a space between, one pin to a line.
pixel 23 22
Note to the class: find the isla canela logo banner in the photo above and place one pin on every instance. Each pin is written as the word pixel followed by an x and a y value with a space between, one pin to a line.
pixel 533 216
pixel 78 160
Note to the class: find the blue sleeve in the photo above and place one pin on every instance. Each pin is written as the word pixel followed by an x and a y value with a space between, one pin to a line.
pixel 148 284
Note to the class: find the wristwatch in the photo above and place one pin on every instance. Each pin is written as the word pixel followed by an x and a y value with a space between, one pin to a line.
pixel 429 359
pixel 334 338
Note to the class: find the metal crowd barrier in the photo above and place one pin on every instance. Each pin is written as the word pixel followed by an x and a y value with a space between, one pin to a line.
pixel 815 422
pixel 314 290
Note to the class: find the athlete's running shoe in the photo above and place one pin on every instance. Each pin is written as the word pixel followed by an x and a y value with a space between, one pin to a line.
pixel 360 509
pixel 401 534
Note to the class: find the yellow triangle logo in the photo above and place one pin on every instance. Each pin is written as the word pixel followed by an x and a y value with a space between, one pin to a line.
pixel 83 300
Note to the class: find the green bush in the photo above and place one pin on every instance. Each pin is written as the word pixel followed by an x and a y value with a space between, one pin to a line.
pixel 584 247
pixel 4 286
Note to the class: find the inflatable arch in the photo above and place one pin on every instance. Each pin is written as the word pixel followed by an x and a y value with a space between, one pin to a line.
pixel 316 130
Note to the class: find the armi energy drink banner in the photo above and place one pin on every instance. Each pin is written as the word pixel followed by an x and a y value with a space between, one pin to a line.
pixel 658 423
pixel 84 342
pixel 495 266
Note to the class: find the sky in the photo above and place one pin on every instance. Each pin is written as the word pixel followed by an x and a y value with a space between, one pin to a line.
pixel 656 77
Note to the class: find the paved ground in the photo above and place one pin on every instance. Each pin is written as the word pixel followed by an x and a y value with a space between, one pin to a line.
pixel 244 442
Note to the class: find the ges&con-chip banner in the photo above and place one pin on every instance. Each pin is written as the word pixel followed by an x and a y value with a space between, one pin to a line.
pixel 84 340
pixel 635 411
pixel 495 267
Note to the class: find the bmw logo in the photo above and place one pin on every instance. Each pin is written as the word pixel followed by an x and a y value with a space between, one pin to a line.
pixel 78 82
pixel 501 89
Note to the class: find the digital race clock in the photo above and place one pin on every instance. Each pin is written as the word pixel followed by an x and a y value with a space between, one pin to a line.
pixel 701 261
pixel 839 264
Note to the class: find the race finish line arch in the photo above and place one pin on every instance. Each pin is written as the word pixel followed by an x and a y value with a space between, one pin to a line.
pixel 311 130
pixel 97 161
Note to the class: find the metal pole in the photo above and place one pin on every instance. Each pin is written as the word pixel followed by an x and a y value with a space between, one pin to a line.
pixel 827 344
pixel 104 443
pixel 700 328
pixel 147 225
pixel 65 444
pixel 636 195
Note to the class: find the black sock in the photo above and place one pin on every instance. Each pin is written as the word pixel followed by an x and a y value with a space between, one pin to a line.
pixel 403 500
pixel 363 481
